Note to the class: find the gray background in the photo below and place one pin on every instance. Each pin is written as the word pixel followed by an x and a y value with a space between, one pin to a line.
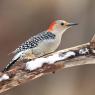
pixel 20 19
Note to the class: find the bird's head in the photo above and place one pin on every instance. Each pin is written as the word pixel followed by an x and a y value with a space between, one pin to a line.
pixel 60 26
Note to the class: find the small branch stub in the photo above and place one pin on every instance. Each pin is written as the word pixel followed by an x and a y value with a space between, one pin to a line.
pixel 92 42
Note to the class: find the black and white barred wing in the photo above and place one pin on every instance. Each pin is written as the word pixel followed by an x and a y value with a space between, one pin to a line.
pixel 34 41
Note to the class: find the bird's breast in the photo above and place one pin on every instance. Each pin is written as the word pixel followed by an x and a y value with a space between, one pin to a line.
pixel 47 46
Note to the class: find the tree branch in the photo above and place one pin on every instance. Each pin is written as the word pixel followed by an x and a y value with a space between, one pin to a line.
pixel 78 55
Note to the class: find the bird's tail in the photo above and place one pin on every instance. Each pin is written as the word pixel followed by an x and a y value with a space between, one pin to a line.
pixel 14 60
pixel 10 65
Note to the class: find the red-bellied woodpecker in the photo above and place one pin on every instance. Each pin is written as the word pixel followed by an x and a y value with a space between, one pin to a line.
pixel 42 43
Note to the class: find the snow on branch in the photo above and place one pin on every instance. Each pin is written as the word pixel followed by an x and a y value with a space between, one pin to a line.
pixel 78 55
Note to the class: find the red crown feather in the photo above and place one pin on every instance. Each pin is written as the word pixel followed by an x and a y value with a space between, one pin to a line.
pixel 51 26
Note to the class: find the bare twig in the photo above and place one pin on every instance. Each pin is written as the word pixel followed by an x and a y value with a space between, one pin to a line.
pixel 78 55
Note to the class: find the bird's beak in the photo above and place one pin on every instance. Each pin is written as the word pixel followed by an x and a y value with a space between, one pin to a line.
pixel 71 24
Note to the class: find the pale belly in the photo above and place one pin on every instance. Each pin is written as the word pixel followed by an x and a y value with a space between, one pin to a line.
pixel 46 47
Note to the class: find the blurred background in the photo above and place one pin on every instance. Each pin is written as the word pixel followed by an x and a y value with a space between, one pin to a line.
pixel 21 19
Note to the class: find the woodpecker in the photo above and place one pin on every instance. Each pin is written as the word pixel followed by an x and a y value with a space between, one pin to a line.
pixel 42 43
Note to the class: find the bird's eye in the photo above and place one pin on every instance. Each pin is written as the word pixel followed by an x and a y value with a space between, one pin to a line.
pixel 62 23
